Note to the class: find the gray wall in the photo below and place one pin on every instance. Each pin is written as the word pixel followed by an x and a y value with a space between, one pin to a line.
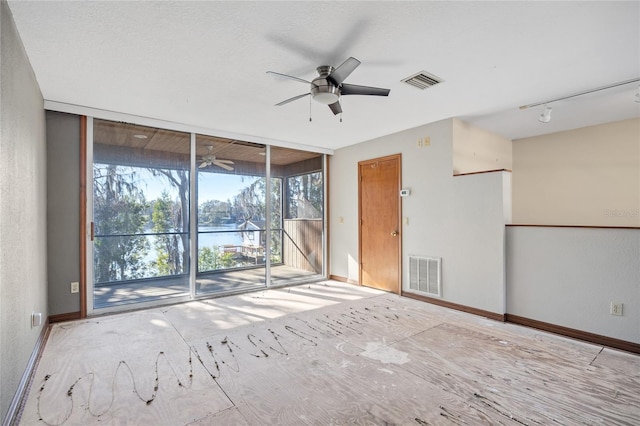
pixel 23 197
pixel 569 276
pixel 63 210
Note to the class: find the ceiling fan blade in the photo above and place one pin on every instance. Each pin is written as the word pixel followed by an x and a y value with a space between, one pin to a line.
pixel 225 161
pixel 203 165
pixel 335 108
pixel 222 165
pixel 354 89
pixel 342 72
pixel 286 101
pixel 291 77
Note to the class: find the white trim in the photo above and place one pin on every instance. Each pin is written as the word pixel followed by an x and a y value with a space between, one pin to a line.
pixel 267 216
pixel 193 219
pixel 89 217
pixel 154 122
pixel 325 216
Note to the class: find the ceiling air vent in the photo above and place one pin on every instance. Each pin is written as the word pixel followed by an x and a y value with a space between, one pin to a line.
pixel 422 80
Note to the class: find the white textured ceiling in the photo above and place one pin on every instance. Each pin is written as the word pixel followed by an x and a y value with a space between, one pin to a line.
pixel 204 63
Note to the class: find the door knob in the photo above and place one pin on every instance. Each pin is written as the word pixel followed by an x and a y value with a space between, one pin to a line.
pixel 394 233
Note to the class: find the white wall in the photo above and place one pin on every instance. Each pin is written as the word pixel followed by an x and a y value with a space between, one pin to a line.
pixel 569 276
pixel 478 150
pixel 460 219
pixel 23 280
pixel 588 176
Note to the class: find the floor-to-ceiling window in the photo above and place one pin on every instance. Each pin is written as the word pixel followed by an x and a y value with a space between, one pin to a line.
pixel 176 216
pixel 231 199
pixel 140 214
pixel 298 220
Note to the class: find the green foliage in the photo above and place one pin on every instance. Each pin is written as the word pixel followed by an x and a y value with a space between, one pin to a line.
pixel 305 196
pixel 249 204
pixel 166 218
pixel 124 219
pixel 208 259
pixel 215 212
pixel 212 259
pixel 172 216
pixel 119 214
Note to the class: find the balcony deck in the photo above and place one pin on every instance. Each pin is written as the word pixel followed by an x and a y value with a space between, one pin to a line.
pixel 220 282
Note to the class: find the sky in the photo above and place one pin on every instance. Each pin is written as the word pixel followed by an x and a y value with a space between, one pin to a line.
pixel 211 186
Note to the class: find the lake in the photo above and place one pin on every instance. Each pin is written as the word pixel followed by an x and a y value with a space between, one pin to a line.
pixel 227 237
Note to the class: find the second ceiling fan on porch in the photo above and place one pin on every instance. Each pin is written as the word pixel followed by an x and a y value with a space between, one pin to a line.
pixel 210 160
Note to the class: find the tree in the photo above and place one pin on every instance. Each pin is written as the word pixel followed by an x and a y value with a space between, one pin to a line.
pixel 166 217
pixel 118 210
pixel 249 204
pixel 214 212
pixel 276 220
pixel 211 259
pixel 305 196
pixel 180 180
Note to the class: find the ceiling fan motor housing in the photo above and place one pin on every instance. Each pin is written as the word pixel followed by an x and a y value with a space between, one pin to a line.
pixel 322 89
pixel 328 87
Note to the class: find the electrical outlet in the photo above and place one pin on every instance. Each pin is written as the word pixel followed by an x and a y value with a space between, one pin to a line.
pixel 75 287
pixel 616 308
pixel 427 141
pixel 36 319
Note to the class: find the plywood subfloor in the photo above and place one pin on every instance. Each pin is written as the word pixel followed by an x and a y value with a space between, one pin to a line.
pixel 322 354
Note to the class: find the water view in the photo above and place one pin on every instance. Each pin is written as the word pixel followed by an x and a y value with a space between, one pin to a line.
pixel 218 236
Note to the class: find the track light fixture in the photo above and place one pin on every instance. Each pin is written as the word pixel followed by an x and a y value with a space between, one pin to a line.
pixel 545 117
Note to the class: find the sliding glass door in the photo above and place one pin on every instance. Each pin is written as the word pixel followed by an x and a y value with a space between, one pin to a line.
pixel 176 216
pixel 140 214
pixel 231 215
pixel 298 216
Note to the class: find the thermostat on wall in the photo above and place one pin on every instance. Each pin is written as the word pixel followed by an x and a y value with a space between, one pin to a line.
pixel 405 192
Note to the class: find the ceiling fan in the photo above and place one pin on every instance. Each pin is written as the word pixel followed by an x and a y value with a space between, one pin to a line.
pixel 328 86
pixel 209 159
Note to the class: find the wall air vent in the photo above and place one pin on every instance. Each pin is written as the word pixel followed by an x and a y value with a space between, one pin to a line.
pixel 422 80
pixel 425 275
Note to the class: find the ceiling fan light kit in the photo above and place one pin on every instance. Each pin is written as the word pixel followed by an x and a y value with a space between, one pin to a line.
pixel 322 90
pixel 329 86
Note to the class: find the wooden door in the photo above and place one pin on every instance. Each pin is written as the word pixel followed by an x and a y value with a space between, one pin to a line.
pixel 379 211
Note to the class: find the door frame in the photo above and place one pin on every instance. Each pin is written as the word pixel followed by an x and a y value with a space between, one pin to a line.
pixel 397 157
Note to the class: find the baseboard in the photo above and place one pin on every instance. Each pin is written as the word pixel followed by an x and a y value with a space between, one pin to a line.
pixel 343 279
pixel 456 306
pixel 69 316
pixel 576 334
pixel 19 398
